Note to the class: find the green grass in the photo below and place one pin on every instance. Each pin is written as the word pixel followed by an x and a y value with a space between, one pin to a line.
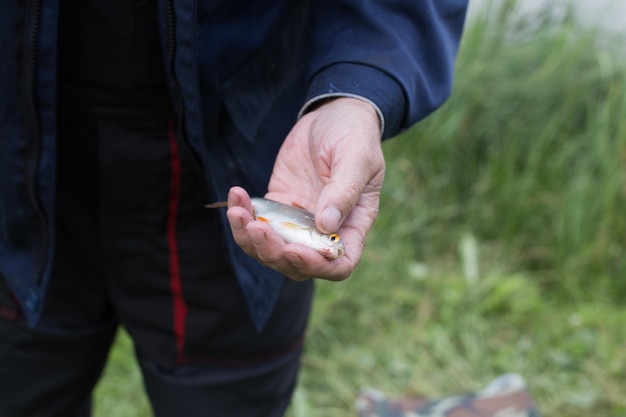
pixel 500 244
pixel 120 391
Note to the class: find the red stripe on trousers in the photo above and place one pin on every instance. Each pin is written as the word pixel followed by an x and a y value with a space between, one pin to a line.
pixel 178 302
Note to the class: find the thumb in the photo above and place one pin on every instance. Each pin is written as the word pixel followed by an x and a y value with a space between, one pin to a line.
pixel 348 179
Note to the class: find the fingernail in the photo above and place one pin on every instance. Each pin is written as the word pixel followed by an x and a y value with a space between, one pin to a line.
pixel 331 218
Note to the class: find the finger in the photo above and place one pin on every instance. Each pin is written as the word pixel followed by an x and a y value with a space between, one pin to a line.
pixel 268 245
pixel 239 218
pixel 261 242
pixel 311 264
pixel 270 250
pixel 257 239
pixel 240 213
pixel 237 196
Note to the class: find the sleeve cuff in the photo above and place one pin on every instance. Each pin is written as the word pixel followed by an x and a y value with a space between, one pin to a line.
pixel 312 104
pixel 361 82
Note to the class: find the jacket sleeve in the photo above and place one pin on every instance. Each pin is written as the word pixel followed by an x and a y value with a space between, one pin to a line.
pixel 398 54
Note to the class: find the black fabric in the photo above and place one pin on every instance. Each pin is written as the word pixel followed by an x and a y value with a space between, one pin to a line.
pixel 262 389
pixel 115 206
pixel 110 56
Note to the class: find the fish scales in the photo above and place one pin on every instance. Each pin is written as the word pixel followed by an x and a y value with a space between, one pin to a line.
pixel 283 212
pixel 294 225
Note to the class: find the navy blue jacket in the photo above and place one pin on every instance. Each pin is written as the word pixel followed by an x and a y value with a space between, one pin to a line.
pixel 239 71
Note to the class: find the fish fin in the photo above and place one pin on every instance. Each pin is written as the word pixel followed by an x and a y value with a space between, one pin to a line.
pixel 262 219
pixel 217 204
pixel 292 225
pixel 296 205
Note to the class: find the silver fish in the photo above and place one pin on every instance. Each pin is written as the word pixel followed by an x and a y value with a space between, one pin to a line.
pixel 294 225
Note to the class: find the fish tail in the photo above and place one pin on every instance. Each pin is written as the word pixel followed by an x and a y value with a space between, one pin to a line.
pixel 217 204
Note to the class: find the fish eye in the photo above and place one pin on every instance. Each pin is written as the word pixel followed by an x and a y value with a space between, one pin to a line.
pixel 334 237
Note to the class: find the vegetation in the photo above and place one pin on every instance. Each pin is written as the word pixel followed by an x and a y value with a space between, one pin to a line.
pixel 500 244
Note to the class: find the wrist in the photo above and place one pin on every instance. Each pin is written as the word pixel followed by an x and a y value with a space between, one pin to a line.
pixel 363 105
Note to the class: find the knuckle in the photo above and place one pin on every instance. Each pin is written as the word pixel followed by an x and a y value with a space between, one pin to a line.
pixel 269 259
pixel 266 259
pixel 351 194
pixel 297 276
pixel 249 250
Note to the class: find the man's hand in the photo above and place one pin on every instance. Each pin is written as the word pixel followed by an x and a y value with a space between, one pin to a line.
pixel 332 164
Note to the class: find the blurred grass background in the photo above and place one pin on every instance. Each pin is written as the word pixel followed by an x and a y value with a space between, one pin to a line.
pixel 500 243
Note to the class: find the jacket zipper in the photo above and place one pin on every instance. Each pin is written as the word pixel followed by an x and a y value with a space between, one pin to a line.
pixel 34 129
pixel 171 56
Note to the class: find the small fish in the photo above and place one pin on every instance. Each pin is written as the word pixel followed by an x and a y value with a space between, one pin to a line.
pixel 295 225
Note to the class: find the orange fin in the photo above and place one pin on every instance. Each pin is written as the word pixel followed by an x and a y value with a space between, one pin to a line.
pixel 217 204
pixel 262 219
pixel 296 205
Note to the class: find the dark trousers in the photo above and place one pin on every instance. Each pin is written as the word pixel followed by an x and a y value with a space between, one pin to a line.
pixel 136 247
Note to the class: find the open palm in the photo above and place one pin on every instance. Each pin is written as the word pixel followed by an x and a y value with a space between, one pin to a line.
pixel 331 163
